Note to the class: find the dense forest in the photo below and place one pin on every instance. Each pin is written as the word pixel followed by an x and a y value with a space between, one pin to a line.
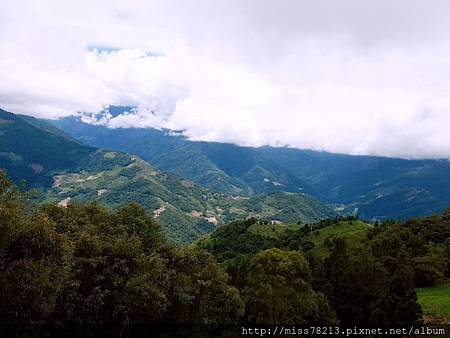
pixel 86 265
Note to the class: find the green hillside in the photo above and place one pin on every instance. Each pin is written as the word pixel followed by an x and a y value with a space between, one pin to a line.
pixel 87 264
pixel 435 302
pixel 31 152
pixel 221 167
pixel 316 234
pixel 122 180
pixel 238 238
pixel 352 262
pixel 66 171
pixel 377 188
pixel 186 210
pixel 286 207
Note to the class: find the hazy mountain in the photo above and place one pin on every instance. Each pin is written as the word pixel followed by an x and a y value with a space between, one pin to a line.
pixel 31 152
pixel 379 188
pixel 66 171
pixel 221 167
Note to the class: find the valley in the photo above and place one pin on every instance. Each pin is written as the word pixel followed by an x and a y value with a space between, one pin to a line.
pixel 191 187
pixel 376 188
pixel 65 171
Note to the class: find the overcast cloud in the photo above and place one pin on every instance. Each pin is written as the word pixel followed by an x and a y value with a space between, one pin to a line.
pixel 351 76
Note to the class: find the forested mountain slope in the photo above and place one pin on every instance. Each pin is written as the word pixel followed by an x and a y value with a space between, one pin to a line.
pixel 66 171
pixel 376 187
pixel 221 167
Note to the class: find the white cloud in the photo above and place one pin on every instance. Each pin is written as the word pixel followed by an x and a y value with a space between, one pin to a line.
pixel 354 77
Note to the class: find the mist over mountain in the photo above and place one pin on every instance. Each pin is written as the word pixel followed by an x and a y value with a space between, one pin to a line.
pixel 376 187
pixel 353 78
pixel 66 171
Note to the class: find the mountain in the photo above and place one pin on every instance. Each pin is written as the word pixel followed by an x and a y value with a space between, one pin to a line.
pixel 65 170
pixel 377 188
pixel 284 207
pixel 221 167
pixel 30 152
pixel 381 188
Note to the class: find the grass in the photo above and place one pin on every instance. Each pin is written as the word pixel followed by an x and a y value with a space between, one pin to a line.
pixel 271 230
pixel 345 229
pixel 435 302
pixel 353 231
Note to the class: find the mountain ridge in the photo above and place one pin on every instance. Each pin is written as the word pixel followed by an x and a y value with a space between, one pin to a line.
pixel 65 171
pixel 378 188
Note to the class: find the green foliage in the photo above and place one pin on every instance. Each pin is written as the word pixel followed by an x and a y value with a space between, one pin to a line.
pixel 30 152
pixel 89 265
pixel 429 269
pixel 85 264
pixel 368 291
pixel 422 240
pixel 66 170
pixel 315 236
pixel 11 203
pixel 252 235
pixel 368 273
pixel 435 301
pixel 34 265
pixel 235 239
pixel 278 290
pixel 287 208
pixel 200 291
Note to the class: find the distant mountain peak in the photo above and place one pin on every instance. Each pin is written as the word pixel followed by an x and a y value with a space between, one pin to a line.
pixel 104 116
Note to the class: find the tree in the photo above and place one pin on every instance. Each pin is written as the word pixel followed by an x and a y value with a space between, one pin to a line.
pixel 399 305
pixel 35 264
pixel 278 290
pixel 365 290
pixel 200 291
pixel 11 208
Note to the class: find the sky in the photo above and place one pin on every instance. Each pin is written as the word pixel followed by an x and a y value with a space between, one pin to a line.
pixel 350 76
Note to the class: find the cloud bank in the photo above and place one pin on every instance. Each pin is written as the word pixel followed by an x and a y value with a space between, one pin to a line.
pixel 358 77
